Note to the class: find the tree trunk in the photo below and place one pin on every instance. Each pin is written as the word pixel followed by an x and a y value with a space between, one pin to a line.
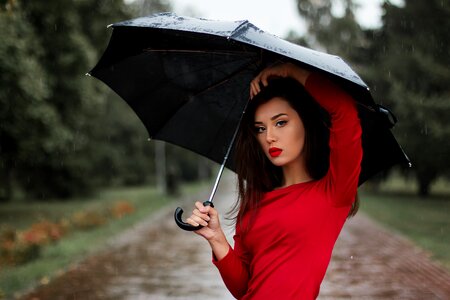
pixel 424 189
pixel 160 163
pixel 425 178
pixel 6 185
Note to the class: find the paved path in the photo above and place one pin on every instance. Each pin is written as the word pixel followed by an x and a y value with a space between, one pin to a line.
pixel 156 260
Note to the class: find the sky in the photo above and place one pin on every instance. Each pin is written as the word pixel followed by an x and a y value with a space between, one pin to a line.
pixel 275 16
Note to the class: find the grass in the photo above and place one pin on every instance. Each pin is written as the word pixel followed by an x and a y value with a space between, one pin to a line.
pixel 425 221
pixel 56 258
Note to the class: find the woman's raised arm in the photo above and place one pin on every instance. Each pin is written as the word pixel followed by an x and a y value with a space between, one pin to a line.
pixel 278 70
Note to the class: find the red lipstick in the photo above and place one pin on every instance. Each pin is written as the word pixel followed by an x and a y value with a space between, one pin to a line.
pixel 274 151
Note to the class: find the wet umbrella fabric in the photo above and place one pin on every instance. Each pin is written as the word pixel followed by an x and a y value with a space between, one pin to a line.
pixel 188 79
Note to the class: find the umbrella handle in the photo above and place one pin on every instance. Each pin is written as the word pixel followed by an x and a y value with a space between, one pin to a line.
pixel 184 225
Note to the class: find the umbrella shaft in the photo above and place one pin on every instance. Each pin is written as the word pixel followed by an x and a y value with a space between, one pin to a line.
pixel 219 174
pixel 216 184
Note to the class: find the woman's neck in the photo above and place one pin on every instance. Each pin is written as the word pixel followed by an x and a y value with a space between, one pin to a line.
pixel 295 173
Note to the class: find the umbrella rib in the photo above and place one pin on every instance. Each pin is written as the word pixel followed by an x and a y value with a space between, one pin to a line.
pixel 234 135
pixel 222 81
pixel 225 159
pixel 239 28
pixel 195 51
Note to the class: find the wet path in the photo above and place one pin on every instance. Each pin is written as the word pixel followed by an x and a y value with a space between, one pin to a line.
pixel 369 262
pixel 156 260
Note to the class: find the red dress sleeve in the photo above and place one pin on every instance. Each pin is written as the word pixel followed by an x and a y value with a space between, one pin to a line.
pixel 234 268
pixel 345 139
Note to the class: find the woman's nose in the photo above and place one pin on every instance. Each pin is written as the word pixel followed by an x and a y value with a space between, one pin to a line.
pixel 270 136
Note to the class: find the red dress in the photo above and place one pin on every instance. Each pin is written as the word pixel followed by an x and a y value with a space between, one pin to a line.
pixel 286 252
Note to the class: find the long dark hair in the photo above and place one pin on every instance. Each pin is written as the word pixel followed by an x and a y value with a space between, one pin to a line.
pixel 256 174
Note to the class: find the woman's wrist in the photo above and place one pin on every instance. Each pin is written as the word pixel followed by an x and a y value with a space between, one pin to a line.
pixel 219 246
pixel 299 74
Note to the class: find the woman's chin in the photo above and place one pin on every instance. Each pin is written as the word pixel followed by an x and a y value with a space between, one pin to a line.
pixel 277 161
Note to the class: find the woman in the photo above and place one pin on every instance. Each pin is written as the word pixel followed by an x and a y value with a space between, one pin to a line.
pixel 295 192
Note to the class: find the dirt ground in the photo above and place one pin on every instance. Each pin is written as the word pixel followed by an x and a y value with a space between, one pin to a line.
pixel 156 260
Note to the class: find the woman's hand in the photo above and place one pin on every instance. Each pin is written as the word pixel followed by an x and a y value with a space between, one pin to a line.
pixel 278 70
pixel 208 217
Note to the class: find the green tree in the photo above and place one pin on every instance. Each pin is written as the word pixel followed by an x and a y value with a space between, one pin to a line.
pixel 340 35
pixel 63 133
pixel 28 123
pixel 66 168
pixel 405 63
pixel 416 64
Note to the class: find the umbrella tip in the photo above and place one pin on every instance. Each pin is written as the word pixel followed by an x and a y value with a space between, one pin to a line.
pixel 88 74
pixel 109 25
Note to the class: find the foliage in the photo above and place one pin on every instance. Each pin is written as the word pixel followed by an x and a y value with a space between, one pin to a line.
pixel 121 209
pixel 57 257
pixel 86 220
pixel 62 133
pixel 28 122
pixel 416 60
pixel 43 232
pixel 21 246
pixel 406 64
pixel 16 250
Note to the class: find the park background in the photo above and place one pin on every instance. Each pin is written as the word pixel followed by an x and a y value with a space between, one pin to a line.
pixel 76 166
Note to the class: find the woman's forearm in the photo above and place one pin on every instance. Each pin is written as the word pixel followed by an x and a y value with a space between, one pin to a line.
pixel 280 70
pixel 219 246
pixel 297 73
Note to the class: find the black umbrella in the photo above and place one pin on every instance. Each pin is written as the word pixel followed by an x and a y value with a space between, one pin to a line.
pixel 188 79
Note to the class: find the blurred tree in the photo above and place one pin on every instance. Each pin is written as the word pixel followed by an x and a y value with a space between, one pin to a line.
pixel 338 34
pixel 415 63
pixel 28 123
pixel 341 35
pixel 68 52
pixel 61 132
pixel 406 64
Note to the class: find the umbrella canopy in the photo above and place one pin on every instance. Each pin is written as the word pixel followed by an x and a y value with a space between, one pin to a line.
pixel 188 79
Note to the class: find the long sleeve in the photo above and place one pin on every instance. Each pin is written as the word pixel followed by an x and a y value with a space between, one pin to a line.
pixel 234 268
pixel 345 138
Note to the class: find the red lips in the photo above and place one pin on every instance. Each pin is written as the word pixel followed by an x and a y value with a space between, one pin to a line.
pixel 274 151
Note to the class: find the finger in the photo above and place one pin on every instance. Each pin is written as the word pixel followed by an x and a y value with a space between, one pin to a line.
pixel 258 87
pixel 201 215
pixel 198 220
pixel 255 86
pixel 264 78
pixel 253 90
pixel 213 213
pixel 190 221
pixel 201 207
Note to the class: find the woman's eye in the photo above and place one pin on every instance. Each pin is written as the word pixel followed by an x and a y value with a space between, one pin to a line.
pixel 259 129
pixel 281 123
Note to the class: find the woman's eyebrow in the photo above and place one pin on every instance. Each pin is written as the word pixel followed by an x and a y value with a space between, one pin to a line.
pixel 273 118
pixel 277 116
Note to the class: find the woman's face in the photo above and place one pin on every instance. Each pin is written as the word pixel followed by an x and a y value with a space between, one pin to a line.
pixel 280 132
